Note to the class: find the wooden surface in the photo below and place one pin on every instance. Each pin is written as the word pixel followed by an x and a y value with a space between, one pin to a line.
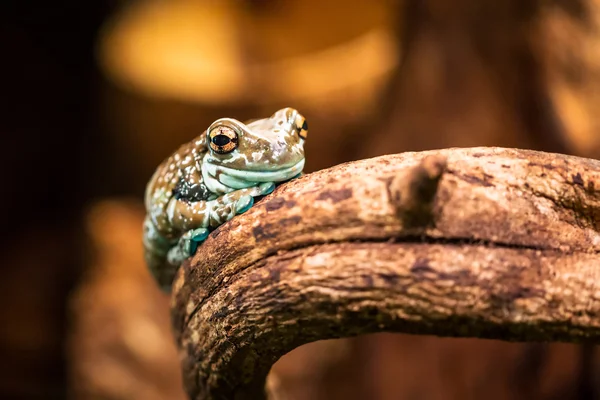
pixel 506 248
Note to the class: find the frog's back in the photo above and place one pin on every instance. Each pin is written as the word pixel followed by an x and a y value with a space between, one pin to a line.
pixel 187 160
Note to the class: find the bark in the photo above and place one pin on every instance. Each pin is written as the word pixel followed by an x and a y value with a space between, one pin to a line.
pixel 483 242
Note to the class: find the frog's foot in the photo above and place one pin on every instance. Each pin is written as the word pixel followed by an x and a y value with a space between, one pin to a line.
pixel 245 202
pixel 266 188
pixel 187 245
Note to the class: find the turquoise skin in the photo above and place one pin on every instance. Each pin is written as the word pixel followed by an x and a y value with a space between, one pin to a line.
pixel 216 176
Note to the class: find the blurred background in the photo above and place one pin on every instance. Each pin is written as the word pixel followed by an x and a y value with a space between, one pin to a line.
pixel 95 94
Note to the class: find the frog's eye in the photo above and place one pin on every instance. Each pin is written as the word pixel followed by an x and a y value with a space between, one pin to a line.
pixel 223 140
pixel 301 126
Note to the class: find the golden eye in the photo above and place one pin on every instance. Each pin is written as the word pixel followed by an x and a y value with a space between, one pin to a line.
pixel 223 140
pixel 302 127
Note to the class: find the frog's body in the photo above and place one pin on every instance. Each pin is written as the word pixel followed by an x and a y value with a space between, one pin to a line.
pixel 216 176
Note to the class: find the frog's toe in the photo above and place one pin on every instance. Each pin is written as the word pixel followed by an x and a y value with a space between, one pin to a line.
pixel 244 204
pixel 266 188
pixel 196 237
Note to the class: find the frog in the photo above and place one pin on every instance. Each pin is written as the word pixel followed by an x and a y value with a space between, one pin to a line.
pixel 214 177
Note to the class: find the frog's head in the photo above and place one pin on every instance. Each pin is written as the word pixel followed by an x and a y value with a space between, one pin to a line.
pixel 266 150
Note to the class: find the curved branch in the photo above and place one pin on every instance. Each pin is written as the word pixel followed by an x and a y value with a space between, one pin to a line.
pixel 482 242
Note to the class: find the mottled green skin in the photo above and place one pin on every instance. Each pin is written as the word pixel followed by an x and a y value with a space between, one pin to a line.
pixel 196 189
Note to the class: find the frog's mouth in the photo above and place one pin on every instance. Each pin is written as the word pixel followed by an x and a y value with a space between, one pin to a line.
pixel 238 179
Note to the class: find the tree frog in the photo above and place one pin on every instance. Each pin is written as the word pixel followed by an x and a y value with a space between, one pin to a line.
pixel 216 176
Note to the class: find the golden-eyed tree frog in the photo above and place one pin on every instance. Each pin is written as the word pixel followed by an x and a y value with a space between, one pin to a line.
pixel 216 176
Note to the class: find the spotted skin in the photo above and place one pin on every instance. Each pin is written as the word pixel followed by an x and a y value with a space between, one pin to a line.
pixel 216 176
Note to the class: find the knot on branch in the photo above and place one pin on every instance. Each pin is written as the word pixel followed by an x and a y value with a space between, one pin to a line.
pixel 333 254
pixel 413 192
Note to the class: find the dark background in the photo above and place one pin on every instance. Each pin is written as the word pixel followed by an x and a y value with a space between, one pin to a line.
pixel 49 145
pixel 77 146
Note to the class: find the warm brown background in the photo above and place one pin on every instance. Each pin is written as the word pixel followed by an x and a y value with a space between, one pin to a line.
pixel 95 94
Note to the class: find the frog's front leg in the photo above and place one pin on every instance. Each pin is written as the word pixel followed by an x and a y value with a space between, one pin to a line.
pixel 196 218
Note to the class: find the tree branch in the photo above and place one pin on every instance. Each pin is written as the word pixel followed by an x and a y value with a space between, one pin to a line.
pixel 483 242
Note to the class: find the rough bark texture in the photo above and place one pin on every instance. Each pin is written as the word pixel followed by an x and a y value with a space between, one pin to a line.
pixel 506 247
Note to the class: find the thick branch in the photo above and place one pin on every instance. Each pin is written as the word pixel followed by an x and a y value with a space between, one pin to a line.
pixel 483 242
